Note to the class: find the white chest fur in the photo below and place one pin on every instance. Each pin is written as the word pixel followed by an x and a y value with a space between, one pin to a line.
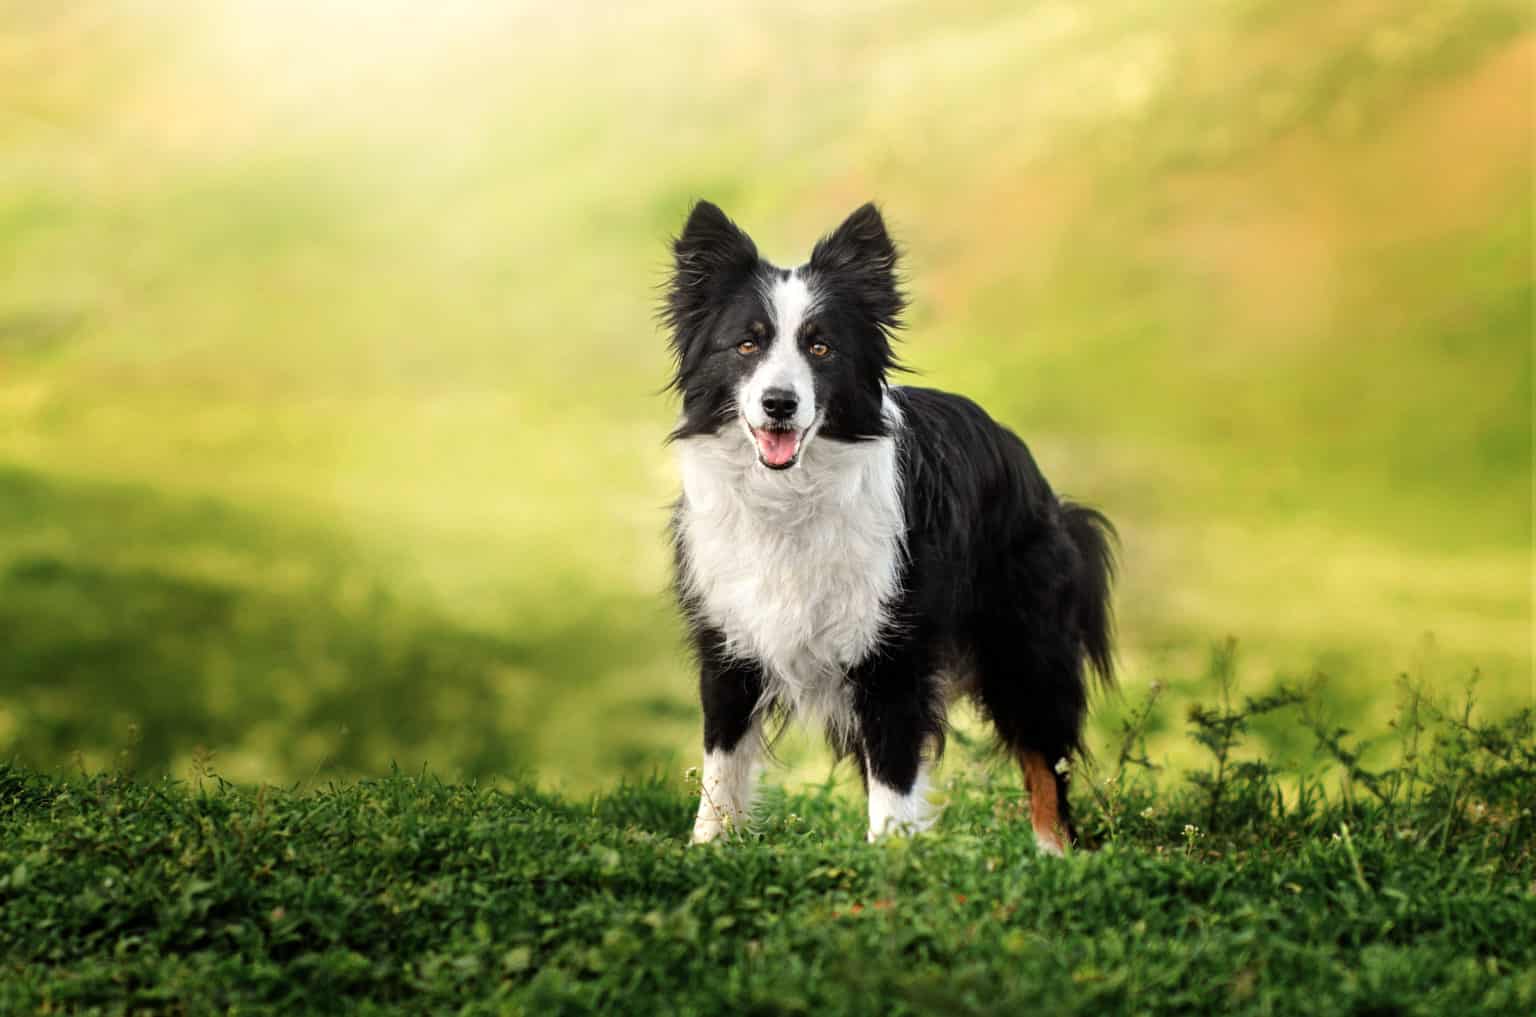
pixel 796 568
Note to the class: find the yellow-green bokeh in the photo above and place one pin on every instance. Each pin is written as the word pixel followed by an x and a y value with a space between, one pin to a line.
pixel 330 430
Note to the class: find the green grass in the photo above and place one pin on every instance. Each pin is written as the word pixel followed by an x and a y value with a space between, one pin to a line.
pixel 1414 893
pixel 328 397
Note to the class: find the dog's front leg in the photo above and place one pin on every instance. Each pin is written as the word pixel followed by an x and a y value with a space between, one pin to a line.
pixel 900 720
pixel 729 690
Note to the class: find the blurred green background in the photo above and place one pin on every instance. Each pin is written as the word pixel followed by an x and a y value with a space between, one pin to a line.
pixel 330 433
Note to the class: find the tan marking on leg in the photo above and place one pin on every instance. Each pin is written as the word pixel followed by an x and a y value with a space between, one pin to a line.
pixel 1044 809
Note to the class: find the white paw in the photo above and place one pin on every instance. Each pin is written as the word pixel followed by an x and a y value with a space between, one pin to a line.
pixel 900 813
pixel 712 825
pixel 896 828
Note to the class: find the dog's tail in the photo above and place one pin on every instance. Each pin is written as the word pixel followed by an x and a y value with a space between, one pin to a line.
pixel 1096 540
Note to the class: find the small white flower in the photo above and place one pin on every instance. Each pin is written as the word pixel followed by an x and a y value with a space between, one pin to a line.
pixel 1062 766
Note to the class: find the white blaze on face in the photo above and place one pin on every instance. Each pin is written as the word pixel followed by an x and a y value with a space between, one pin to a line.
pixel 784 365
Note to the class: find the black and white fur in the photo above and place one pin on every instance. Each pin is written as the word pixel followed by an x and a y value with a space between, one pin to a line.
pixel 855 553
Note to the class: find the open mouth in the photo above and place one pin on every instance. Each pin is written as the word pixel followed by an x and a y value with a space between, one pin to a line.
pixel 777 446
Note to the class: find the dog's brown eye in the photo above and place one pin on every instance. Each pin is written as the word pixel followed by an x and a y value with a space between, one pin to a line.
pixel 819 349
pixel 746 347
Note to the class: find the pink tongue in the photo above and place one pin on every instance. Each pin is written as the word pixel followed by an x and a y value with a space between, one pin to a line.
pixel 778 448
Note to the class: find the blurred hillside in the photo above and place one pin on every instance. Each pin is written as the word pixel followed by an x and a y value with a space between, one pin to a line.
pixel 329 426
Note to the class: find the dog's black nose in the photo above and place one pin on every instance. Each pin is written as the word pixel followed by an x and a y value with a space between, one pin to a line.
pixel 780 403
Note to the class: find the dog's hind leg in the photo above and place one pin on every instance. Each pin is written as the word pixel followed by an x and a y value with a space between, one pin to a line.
pixel 1049 812
pixel 1029 683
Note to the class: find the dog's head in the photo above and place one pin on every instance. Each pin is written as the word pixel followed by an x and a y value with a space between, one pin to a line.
pixel 788 356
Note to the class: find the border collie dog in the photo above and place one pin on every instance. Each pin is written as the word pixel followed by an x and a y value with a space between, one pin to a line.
pixel 858 554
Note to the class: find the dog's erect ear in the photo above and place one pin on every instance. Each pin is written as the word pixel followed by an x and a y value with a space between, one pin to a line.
pixel 860 254
pixel 710 238
pixel 710 258
pixel 859 244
